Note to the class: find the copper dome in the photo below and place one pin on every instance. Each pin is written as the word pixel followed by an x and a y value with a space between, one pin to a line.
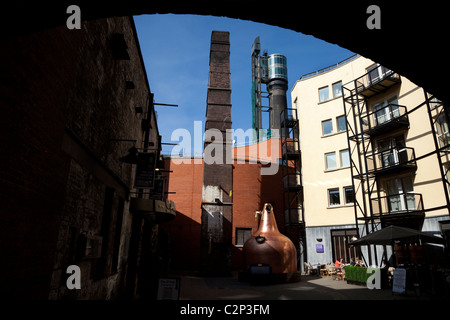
pixel 269 247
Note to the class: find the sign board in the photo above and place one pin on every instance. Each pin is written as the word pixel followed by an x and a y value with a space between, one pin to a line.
pixel 145 170
pixel 399 281
pixel 319 248
pixel 168 289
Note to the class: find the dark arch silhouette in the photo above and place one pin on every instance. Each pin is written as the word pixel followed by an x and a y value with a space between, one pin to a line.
pixel 411 40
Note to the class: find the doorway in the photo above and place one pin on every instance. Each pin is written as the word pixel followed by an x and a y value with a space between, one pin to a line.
pixel 340 240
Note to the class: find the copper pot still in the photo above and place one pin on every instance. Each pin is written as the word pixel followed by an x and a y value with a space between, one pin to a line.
pixel 268 246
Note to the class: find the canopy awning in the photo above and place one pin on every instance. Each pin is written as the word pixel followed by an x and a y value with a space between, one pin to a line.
pixel 390 234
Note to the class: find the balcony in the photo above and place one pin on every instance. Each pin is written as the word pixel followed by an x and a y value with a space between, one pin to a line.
pixel 291 182
pixel 444 142
pixel 292 216
pixel 376 81
pixel 405 209
pixel 393 159
pixel 392 116
pixel 289 118
pixel 290 150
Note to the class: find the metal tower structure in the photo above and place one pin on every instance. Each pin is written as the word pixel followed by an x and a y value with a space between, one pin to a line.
pixel 294 219
pixel 369 164
pixel 259 76
pixel 270 70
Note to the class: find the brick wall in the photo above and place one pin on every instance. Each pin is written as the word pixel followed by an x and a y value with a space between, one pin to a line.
pixel 33 170
pixel 185 189
pixel 250 191
pixel 64 99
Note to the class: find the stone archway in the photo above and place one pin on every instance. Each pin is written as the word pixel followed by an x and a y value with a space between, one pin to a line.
pixel 409 41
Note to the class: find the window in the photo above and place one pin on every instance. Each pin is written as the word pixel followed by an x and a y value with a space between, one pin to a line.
pixel 447 172
pixel 377 73
pixel 242 235
pixel 330 161
pixel 442 131
pixel 349 195
pixel 345 158
pixel 324 94
pixel 391 151
pixel 386 110
pixel 400 194
pixel 327 127
pixel 333 197
pixel 434 103
pixel 337 89
pixel 341 124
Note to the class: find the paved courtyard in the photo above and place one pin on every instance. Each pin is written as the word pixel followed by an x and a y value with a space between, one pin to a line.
pixel 309 288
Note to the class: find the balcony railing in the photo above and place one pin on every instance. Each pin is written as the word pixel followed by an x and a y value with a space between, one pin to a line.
pixel 444 140
pixel 392 158
pixel 292 216
pixel 397 203
pixel 384 119
pixel 290 148
pixel 292 182
pixel 289 118
pixel 368 85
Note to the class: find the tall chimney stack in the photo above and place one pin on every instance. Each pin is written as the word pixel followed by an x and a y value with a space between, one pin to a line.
pixel 217 210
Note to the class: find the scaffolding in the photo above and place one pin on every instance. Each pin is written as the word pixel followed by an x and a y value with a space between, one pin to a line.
pixel 293 205
pixel 259 77
pixel 369 162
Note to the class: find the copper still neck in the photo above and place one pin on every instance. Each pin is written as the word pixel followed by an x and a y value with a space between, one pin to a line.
pixel 267 221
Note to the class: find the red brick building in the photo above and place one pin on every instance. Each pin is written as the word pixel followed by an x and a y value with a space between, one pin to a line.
pixel 250 191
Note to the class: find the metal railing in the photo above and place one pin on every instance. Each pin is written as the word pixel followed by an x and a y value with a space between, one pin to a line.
pixel 290 146
pixel 365 82
pixel 384 116
pixel 390 158
pixel 334 66
pixel 292 181
pixel 397 203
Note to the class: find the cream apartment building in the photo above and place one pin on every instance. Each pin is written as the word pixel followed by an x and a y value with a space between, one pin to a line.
pixel 368 139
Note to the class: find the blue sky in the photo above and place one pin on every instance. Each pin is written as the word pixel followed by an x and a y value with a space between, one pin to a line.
pixel 175 49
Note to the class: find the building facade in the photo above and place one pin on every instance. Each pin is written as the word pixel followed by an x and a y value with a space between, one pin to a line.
pixel 369 159
pixel 250 190
pixel 76 103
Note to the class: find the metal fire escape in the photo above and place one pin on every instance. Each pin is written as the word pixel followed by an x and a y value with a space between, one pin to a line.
pixel 292 182
pixel 369 164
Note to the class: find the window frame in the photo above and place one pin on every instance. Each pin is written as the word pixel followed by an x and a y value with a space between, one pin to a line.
pixel 332 129
pixel 237 244
pixel 327 94
pixel 337 123
pixel 329 197
pixel 340 158
pixel 326 161
pixel 345 195
pixel 333 88
pixel 442 129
